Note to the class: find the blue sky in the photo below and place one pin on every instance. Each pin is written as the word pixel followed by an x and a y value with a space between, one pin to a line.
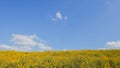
pixel 59 24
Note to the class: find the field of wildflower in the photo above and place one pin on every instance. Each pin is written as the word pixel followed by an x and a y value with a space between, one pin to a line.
pixel 61 59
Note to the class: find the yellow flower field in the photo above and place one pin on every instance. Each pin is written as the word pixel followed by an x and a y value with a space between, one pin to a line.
pixel 61 59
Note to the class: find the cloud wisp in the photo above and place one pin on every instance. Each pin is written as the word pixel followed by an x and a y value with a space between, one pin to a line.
pixel 25 43
pixel 66 18
pixel 59 17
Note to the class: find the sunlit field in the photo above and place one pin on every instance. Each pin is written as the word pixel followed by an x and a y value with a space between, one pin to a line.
pixel 61 59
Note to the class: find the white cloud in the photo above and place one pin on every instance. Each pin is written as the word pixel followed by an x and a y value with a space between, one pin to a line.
pixel 6 47
pixel 113 45
pixel 44 46
pixel 24 39
pixel 59 15
pixel 101 48
pixel 25 43
pixel 17 48
pixel 24 48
